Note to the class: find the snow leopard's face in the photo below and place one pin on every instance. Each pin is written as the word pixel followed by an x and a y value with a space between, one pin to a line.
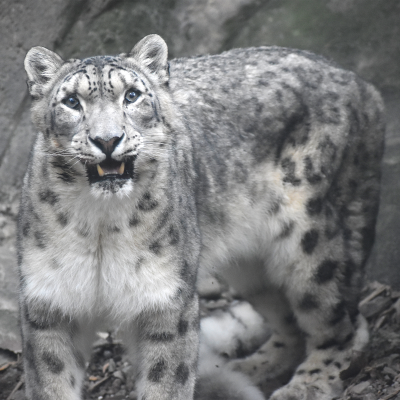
pixel 102 115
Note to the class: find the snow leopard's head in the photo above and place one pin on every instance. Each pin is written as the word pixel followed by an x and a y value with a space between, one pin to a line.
pixel 103 117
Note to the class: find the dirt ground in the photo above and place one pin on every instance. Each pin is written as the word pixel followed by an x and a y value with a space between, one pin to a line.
pixel 109 376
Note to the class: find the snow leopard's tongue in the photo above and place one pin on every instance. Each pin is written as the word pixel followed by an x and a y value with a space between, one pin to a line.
pixel 110 167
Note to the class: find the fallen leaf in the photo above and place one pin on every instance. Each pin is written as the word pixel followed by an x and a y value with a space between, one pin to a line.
pixel 5 366
pixel 105 367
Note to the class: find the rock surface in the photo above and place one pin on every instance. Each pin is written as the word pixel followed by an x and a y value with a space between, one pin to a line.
pixel 359 34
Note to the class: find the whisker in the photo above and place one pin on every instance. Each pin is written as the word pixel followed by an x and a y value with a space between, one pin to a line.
pixel 74 164
pixel 73 158
pixel 59 154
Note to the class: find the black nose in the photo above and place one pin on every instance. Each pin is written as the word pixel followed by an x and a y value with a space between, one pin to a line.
pixel 106 146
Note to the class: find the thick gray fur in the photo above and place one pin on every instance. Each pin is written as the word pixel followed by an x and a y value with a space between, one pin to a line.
pixel 261 164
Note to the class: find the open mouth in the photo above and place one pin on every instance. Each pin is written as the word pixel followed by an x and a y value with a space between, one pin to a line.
pixel 110 169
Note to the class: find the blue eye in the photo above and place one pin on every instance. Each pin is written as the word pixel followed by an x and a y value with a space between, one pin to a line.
pixel 71 102
pixel 131 95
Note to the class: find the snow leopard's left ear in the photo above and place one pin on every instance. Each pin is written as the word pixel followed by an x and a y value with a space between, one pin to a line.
pixel 152 53
pixel 41 65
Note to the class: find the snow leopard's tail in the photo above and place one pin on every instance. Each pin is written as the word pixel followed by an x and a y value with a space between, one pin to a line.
pixel 223 384
pixel 226 334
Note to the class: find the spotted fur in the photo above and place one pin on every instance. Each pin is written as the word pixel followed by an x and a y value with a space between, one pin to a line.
pixel 261 164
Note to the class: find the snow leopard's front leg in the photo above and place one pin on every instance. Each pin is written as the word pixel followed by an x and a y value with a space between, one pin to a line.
pixel 55 348
pixel 168 349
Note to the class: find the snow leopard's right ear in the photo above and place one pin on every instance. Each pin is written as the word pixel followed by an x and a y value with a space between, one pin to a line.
pixel 152 53
pixel 40 65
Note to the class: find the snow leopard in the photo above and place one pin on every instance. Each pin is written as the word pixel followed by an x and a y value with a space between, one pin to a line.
pixel 261 165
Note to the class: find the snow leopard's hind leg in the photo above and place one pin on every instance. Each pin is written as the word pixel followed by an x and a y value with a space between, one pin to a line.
pixel 318 264
pixel 324 285
pixel 314 316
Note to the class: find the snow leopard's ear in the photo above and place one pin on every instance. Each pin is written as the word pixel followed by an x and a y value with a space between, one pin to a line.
pixel 40 65
pixel 152 53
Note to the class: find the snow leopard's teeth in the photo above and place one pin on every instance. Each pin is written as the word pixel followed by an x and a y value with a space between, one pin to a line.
pixel 100 170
